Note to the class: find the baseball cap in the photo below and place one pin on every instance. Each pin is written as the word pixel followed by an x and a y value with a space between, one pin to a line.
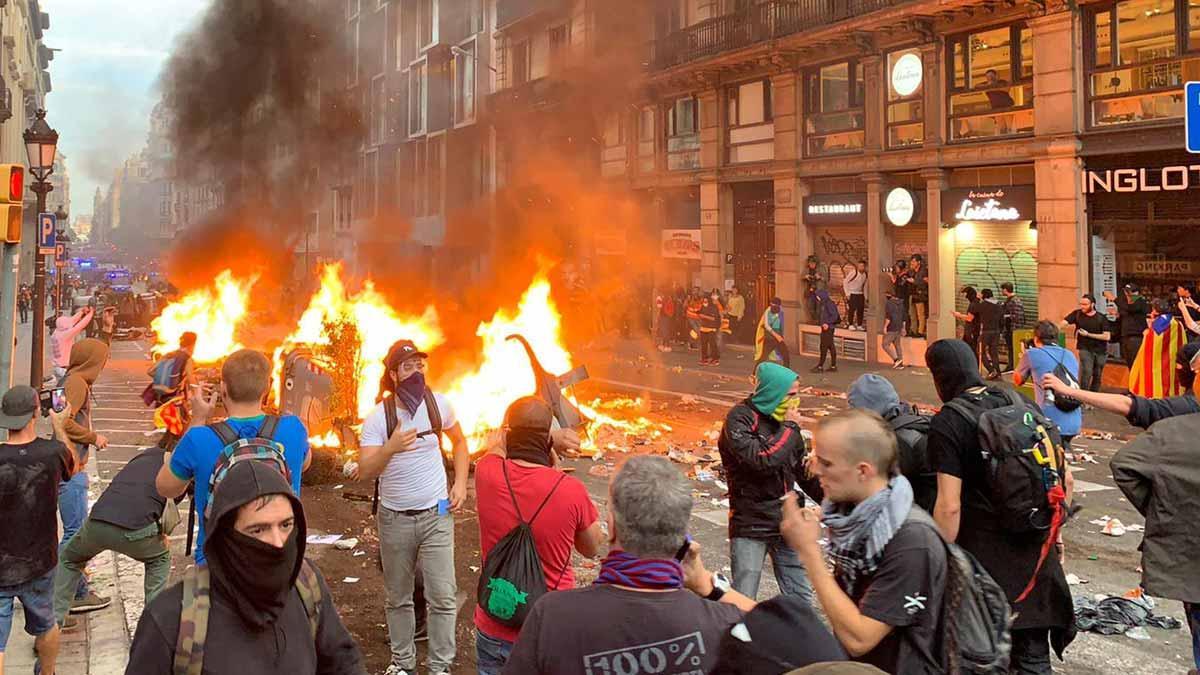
pixel 18 406
pixel 401 351
pixel 1131 287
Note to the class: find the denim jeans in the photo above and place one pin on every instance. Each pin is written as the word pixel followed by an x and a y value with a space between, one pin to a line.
pixel 1091 369
pixel 73 509
pixel 893 346
pixel 405 541
pixel 37 599
pixel 1193 620
pixel 491 653
pixel 747 558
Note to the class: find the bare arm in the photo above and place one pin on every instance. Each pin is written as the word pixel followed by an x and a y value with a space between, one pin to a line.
pixel 462 465
pixel 589 540
pixel 1187 318
pixel 1114 403
pixel 168 484
pixel 947 513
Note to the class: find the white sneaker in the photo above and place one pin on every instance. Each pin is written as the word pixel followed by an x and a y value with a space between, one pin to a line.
pixel 394 669
pixel 898 365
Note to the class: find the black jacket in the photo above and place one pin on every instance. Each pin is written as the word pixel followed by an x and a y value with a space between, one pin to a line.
pixel 1147 411
pixel 762 459
pixel 1133 315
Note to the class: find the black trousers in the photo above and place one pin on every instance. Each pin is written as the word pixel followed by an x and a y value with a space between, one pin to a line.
pixel 1130 346
pixel 771 345
pixel 708 346
pixel 858 305
pixel 827 348
pixel 1012 350
pixel 1031 652
pixel 991 351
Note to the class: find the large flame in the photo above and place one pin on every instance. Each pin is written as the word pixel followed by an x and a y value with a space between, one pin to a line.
pixel 212 313
pixel 377 323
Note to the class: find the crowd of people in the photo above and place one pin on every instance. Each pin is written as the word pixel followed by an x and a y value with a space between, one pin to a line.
pixel 879 526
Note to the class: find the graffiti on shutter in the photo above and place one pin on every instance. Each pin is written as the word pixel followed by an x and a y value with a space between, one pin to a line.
pixel 996 253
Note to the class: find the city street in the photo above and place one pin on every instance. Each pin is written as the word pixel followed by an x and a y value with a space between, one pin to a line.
pixel 693 402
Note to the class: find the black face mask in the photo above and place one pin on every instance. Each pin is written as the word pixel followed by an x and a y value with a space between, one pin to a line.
pixel 528 445
pixel 253 576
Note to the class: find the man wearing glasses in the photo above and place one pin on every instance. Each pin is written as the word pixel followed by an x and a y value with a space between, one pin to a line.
pixel 400 446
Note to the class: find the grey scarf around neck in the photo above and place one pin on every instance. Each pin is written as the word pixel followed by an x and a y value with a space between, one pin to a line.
pixel 858 534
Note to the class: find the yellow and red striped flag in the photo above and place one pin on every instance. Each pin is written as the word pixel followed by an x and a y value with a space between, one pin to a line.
pixel 1153 373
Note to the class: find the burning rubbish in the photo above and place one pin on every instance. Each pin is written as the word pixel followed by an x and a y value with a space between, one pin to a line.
pixel 329 367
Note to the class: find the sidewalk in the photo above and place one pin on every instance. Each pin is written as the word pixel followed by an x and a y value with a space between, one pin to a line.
pixel 914 384
pixel 100 645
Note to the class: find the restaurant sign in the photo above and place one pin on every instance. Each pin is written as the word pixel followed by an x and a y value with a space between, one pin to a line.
pixel 1002 204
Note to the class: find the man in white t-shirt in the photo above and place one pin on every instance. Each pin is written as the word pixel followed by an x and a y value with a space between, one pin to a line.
pixel 415 505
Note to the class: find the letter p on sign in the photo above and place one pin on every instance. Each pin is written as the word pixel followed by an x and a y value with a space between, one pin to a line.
pixel 47 228
pixel 1192 116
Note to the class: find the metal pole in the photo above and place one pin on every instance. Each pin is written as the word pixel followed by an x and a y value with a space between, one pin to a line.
pixel 9 287
pixel 38 344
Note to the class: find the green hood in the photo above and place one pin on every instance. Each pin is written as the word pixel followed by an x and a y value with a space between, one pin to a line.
pixel 773 383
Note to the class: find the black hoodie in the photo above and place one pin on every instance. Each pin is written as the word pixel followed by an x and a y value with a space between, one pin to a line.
pixel 233 646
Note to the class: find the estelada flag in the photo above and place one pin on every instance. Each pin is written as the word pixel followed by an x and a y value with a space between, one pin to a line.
pixel 172 416
pixel 1153 373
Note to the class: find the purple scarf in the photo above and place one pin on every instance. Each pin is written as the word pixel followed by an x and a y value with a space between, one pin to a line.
pixel 625 569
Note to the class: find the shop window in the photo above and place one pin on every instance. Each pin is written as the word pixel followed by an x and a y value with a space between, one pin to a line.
pixel 906 99
pixel 683 138
pixel 1136 60
pixel 992 92
pixel 834 118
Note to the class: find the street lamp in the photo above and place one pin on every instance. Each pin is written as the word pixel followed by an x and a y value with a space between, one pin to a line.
pixel 60 237
pixel 41 143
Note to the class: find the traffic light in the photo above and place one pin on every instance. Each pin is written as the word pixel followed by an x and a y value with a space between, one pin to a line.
pixel 11 201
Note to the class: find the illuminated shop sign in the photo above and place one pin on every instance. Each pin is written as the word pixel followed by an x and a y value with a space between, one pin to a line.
pixel 843 209
pixel 1165 179
pixel 1006 204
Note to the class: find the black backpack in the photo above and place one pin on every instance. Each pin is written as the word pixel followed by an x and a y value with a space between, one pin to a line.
pixel 512 578
pixel 391 419
pixel 1024 465
pixel 1062 401
pixel 912 436
pixel 976 618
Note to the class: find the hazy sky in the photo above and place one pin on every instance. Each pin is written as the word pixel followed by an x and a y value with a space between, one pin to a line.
pixel 104 80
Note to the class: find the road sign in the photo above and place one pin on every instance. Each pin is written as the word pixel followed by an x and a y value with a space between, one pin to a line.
pixel 60 254
pixel 47 233
pixel 1192 115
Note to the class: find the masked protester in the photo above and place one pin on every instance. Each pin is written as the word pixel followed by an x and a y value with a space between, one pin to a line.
pixel 763 454
pixel 258 606
pixel 401 447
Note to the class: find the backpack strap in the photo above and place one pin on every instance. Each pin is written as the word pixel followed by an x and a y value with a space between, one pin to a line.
pixel 513 495
pixel 309 587
pixel 267 430
pixel 224 432
pixel 435 414
pixel 389 416
pixel 900 422
pixel 193 623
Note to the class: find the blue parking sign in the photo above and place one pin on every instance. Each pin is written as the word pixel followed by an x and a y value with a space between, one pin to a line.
pixel 47 233
pixel 1192 115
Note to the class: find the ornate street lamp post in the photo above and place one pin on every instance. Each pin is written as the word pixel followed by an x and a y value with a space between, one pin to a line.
pixel 41 143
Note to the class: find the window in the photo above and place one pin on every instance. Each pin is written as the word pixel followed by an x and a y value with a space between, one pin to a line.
pixel 477 16
pixel 420 178
pixel 1137 62
pixel 417 81
pixel 645 149
pixel 834 121
pixel 518 63
pixel 614 131
pixel 355 34
pixel 683 139
pixel 905 99
pixel 992 88
pixel 436 179
pixel 378 111
pixel 750 103
pixel 560 40
pixel 464 83
pixel 343 208
pixel 751 132
pixel 352 7
pixel 370 175
pixel 427 22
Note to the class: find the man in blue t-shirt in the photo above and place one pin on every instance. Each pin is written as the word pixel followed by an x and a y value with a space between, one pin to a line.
pixel 1042 360
pixel 245 377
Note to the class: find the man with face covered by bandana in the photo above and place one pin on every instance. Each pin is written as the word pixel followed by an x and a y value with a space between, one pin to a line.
pixel 763 454
pixel 415 505
pixel 269 611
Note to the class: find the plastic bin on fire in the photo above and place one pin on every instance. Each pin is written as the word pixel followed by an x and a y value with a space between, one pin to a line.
pixel 307 387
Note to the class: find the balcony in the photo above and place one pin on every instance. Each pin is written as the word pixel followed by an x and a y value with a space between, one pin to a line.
pixel 769 20
pixel 509 12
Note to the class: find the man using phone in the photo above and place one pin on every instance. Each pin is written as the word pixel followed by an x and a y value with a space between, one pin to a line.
pixel 31 470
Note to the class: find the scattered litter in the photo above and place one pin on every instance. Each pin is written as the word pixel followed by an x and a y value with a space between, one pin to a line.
pixel 1112 615
pixel 723 503
pixel 1093 557
pixel 713 435
pixel 703 475
pixel 600 471
pixel 1135 528
pixel 339 486
pixel 346 544
pixel 325 539
pixel 1074 580
pixel 473 568
pixel 149 433
pixel 1100 436
pixel 350 580
pixel 1137 633
pixel 1114 528
pixel 721 484
pixel 358 553
pixel 1086 457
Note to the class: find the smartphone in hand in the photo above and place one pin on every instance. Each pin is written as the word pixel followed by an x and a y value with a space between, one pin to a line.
pixel 52 399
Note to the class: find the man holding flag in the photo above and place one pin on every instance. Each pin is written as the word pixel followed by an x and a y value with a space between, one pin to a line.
pixel 1153 372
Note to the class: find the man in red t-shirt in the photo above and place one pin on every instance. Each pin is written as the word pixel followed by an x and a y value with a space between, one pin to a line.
pixel 569 518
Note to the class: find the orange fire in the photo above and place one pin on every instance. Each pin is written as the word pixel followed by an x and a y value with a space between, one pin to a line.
pixel 212 313
pixel 378 326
